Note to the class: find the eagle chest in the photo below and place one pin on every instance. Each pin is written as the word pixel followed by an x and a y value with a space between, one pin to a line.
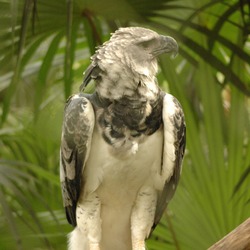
pixel 129 119
pixel 123 139
pixel 120 172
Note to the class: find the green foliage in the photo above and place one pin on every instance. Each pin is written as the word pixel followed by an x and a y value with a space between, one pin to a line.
pixel 46 46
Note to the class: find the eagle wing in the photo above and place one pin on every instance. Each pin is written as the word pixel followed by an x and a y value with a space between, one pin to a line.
pixel 78 125
pixel 173 151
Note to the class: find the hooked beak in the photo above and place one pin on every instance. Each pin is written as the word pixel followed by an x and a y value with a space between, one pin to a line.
pixel 168 45
pixel 171 46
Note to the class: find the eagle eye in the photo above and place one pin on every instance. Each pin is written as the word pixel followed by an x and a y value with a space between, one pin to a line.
pixel 149 43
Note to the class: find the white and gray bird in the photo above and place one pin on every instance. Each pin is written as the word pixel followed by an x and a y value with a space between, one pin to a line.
pixel 122 146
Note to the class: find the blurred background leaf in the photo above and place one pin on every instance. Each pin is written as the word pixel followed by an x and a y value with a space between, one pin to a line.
pixel 45 48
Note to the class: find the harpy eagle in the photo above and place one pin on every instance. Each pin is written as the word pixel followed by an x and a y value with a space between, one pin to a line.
pixel 122 146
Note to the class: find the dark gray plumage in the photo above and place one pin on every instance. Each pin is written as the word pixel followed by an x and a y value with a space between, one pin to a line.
pixel 122 147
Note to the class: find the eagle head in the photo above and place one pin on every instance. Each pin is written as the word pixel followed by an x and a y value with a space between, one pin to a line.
pixel 129 57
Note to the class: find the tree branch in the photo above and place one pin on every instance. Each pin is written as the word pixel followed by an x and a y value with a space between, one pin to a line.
pixel 238 239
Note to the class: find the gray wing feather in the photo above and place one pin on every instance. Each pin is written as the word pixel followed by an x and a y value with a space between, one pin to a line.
pixel 177 121
pixel 76 138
